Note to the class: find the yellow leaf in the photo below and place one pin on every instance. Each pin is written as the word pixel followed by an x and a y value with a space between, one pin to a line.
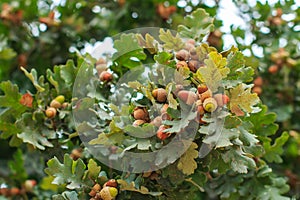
pixel 186 163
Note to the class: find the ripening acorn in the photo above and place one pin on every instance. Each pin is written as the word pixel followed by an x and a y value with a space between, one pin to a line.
pixel 14 191
pixel 105 76
pixel 257 90
pixel 180 64
pixel 76 153
pixel 205 95
pixel 50 112
pixel 161 134
pixel 55 104
pixel 221 99
pixel 111 183
pixel 189 47
pixel 138 122
pixel 160 94
pixel 258 81
pixel 202 88
pixel 29 185
pixel 200 110
pixel 194 65
pixel 187 96
pixel 157 121
pixel 210 104
pixel 183 55
pixel 108 193
pixel 273 69
pixel 140 113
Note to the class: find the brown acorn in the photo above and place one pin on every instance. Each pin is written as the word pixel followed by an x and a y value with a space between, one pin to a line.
pixel 138 122
pixel 182 55
pixel 111 183
pixel 14 191
pixel 105 76
pixel 258 81
pixel 76 153
pixel 141 113
pixel 257 90
pixel 55 104
pixel 205 95
pixel 273 69
pixel 157 121
pixel 95 189
pixel 210 104
pixel 187 96
pixel 189 47
pixel 202 88
pixel 191 41
pixel 181 63
pixel 160 94
pixel 50 112
pixel 194 65
pixel 221 99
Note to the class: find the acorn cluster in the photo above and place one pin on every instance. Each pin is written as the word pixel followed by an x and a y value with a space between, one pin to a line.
pixel 101 67
pixel 281 58
pixel 108 191
pixel 57 103
pixel 27 187
pixel 204 99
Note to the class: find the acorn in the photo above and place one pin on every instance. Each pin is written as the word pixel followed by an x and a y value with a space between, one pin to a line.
pixel 50 112
pixel 55 104
pixel 200 110
pixel 202 88
pixel 162 135
pixel 60 98
pixel 138 122
pixel 194 65
pixel 101 61
pixel 108 193
pixel 101 68
pixel 187 96
pixel 105 76
pixel 210 104
pixel 157 121
pixel 273 69
pixel 65 105
pixel 221 99
pixel 181 63
pixel 160 94
pixel 111 183
pixel 165 116
pixel 191 41
pixel 14 191
pixel 141 113
pixel 205 95
pixel 164 108
pixel 189 47
pixel 257 90
pixel 29 185
pixel 76 153
pixel 182 55
pixel 258 81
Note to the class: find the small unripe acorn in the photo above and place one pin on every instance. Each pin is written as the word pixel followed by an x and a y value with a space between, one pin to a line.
pixel 138 122
pixel 194 65
pixel 29 185
pixel 258 81
pixel 111 183
pixel 273 69
pixel 140 113
pixel 157 121
pixel 181 63
pixel 160 134
pixel 221 99
pixel 187 96
pixel 183 55
pixel 205 95
pixel 160 94
pixel 60 98
pixel 55 104
pixel 76 153
pixel 210 104
pixel 65 105
pixel 50 112
pixel 105 76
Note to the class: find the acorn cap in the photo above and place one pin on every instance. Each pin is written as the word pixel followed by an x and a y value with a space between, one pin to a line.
pixel 55 104
pixel 210 104
pixel 50 112
pixel 187 96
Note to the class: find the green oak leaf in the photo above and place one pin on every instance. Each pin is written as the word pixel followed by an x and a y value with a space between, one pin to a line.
pixel 171 42
pixel 274 151
pixel 69 172
pixel 66 195
pixel 125 186
pixel 196 25
pixel 148 43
